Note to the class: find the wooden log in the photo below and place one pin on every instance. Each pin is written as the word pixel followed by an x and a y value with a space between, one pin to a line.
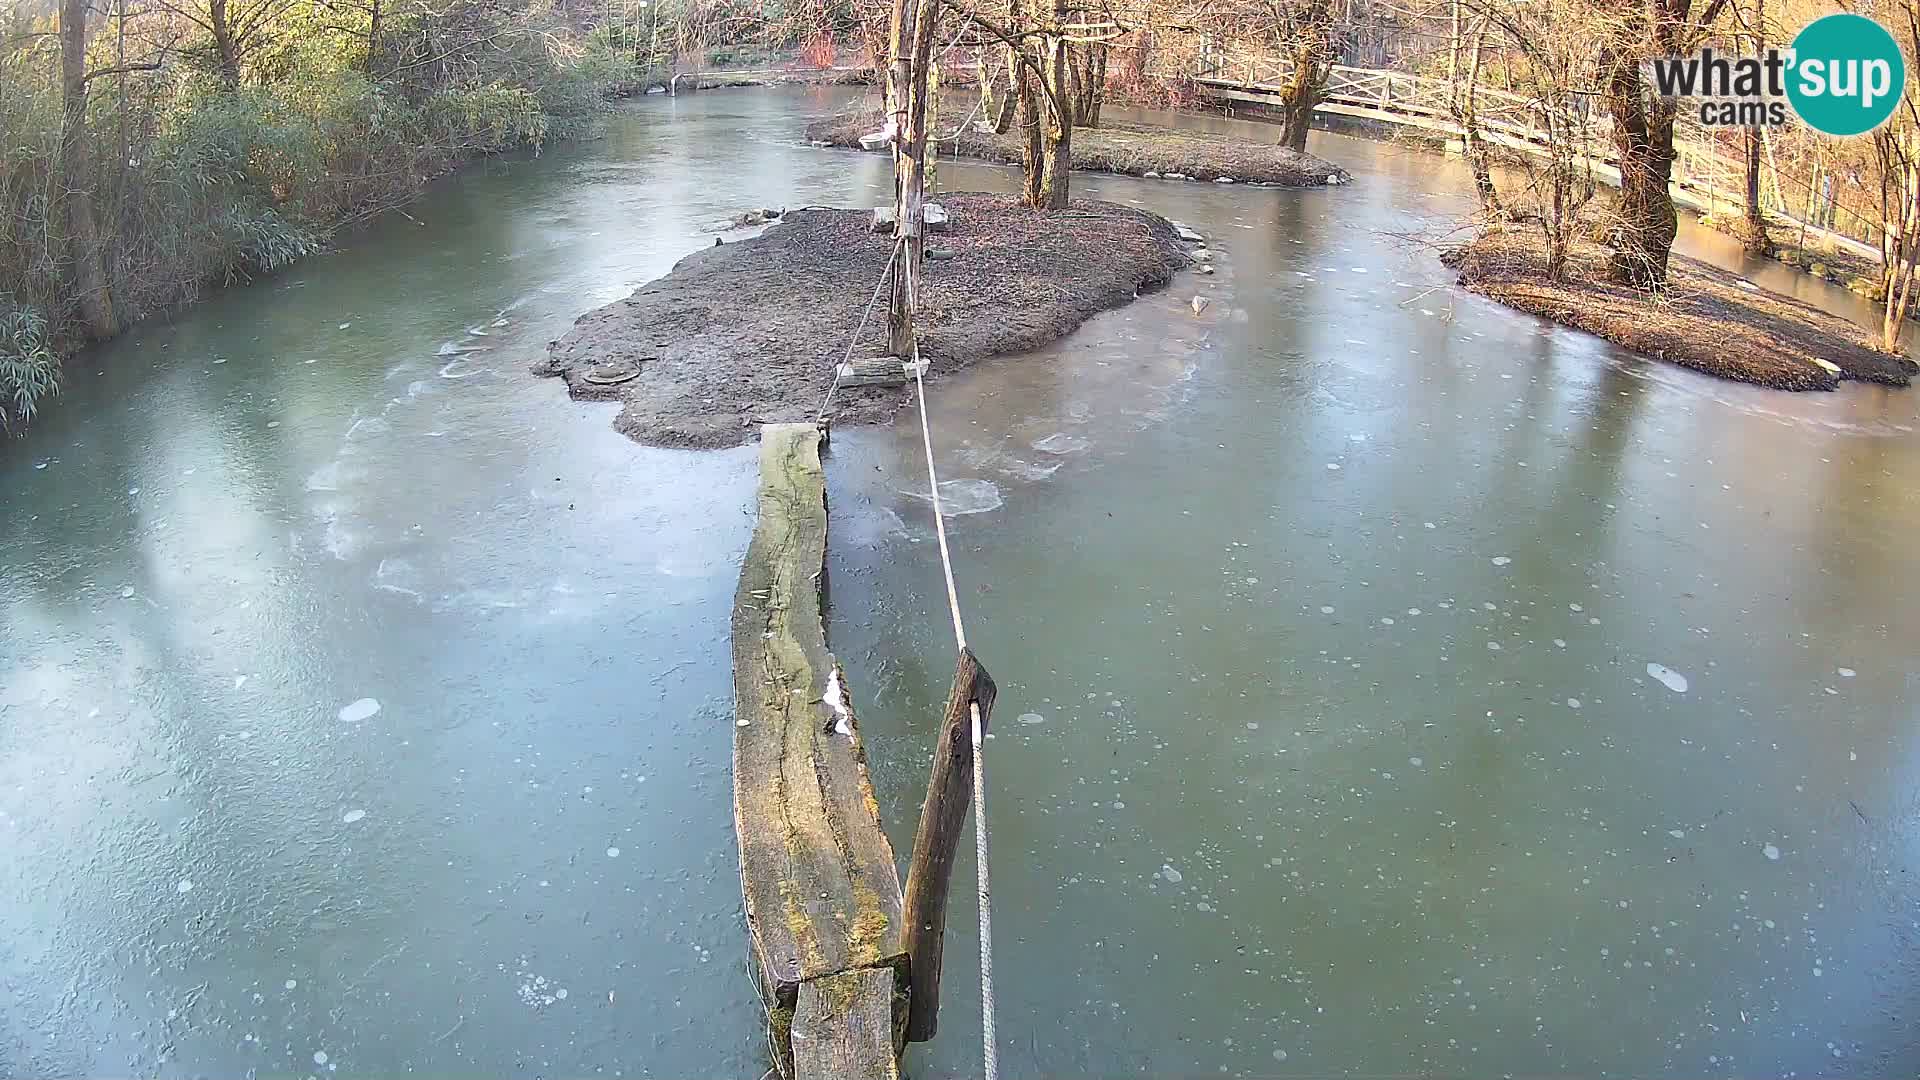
pixel 843 1027
pixel 817 874
pixel 942 818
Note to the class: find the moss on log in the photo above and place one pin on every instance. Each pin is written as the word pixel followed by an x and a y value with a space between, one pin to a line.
pixel 817 874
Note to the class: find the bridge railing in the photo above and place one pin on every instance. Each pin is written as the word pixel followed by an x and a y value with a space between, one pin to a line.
pixel 1702 173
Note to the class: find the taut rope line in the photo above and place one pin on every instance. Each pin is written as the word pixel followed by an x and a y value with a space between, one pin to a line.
pixel 988 1050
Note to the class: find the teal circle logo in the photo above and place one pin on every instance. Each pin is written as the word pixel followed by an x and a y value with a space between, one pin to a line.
pixel 1846 75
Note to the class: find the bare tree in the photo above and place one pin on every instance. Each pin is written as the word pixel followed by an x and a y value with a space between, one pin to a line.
pixel 1634 34
pixel 236 29
pixel 1754 230
pixel 1556 46
pixel 77 177
pixel 908 77
pixel 1896 147
pixel 1464 104
pixel 1311 35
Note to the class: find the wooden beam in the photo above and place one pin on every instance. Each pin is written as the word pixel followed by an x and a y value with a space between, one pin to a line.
pixel 843 1027
pixel 942 818
pixel 817 874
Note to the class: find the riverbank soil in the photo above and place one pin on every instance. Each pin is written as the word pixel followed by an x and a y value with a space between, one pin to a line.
pixel 750 332
pixel 1117 148
pixel 1708 319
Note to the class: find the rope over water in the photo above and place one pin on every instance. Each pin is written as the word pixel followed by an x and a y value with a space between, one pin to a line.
pixel 979 750
pixel 918 367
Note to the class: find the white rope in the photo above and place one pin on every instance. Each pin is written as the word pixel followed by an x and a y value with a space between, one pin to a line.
pixel 939 520
pixel 885 276
pixel 992 1057
pixel 986 894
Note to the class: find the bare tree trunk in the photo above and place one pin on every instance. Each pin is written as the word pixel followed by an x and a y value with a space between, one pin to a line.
pixel 1756 240
pixel 1000 105
pixel 1312 53
pixel 76 176
pixel 1902 254
pixel 1302 94
pixel 1464 110
pixel 374 13
pixel 1454 42
pixel 1033 153
pixel 1089 83
pixel 998 102
pixel 913 60
pixel 1554 221
pixel 1642 238
pixel 1057 132
pixel 223 43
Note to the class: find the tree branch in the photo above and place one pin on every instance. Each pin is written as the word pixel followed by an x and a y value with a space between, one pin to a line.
pixel 120 69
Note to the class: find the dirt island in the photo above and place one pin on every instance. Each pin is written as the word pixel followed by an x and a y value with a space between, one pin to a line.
pixel 751 332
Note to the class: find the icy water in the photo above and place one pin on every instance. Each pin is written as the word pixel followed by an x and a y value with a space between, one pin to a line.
pixel 1389 683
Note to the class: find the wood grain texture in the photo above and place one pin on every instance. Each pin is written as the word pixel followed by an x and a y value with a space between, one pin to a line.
pixel 943 819
pixel 817 873
pixel 843 1027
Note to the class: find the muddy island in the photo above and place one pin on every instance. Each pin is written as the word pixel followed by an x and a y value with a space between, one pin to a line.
pixel 1153 153
pixel 751 332
pixel 1706 318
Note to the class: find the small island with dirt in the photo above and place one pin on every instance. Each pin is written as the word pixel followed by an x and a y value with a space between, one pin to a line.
pixel 752 332
pixel 1702 317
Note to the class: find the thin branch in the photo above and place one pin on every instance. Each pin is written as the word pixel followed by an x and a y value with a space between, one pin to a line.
pixel 121 69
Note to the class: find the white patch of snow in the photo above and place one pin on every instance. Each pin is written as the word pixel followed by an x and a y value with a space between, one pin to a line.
pixel 364 709
pixel 1668 677
pixel 836 701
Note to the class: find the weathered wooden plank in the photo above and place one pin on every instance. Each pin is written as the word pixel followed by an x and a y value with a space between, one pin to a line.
pixel 843 1027
pixel 878 371
pixel 942 819
pixel 816 871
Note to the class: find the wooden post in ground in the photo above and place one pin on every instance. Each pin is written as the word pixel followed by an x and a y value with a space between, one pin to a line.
pixel 942 818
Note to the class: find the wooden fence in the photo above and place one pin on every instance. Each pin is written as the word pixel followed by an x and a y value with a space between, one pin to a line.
pixel 1704 178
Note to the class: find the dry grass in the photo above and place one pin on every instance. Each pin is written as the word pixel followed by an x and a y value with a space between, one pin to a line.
pixel 1708 319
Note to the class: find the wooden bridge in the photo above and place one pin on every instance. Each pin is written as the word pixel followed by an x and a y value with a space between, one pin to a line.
pixel 1704 179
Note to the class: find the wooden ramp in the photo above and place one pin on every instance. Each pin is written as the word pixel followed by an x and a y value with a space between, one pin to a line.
pixel 823 899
